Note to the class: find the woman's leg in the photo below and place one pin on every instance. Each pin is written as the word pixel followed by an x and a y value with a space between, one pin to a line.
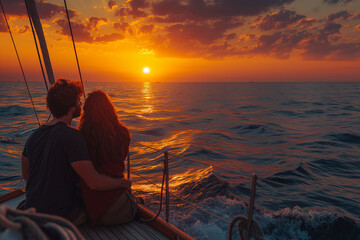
pixel 122 210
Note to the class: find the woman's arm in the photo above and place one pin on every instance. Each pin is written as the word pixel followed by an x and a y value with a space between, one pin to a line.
pixel 96 181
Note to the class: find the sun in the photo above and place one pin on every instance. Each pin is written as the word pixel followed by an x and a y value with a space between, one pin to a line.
pixel 146 70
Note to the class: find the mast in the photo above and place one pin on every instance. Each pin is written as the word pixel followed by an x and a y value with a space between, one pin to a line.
pixel 33 13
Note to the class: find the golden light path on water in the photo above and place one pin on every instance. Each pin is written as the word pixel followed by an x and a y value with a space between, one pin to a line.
pixel 179 141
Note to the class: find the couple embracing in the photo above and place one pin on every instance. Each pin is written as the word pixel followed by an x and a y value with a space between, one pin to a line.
pixel 78 174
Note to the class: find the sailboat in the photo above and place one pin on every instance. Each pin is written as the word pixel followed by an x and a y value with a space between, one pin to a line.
pixel 153 227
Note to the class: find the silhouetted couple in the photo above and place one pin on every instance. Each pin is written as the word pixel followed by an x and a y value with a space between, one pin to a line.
pixel 78 174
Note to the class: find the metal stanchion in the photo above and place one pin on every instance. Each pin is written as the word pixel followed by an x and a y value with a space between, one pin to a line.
pixel 167 200
pixel 251 206
pixel 128 166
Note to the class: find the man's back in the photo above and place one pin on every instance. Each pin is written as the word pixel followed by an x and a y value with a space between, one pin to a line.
pixel 52 183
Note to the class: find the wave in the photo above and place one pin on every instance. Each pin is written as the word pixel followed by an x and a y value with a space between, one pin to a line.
pixel 159 132
pixel 13 110
pixel 8 140
pixel 348 138
pixel 288 223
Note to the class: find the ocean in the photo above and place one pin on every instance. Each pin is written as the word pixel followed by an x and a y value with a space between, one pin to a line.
pixel 302 140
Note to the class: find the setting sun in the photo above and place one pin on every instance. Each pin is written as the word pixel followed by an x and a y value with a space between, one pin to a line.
pixel 146 70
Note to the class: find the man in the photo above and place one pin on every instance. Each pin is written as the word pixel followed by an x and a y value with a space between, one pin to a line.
pixel 56 154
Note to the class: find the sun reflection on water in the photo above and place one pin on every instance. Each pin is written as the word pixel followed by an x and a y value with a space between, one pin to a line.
pixel 147 95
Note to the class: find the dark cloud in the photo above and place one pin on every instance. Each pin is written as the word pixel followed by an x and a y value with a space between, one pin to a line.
pixel 204 33
pixel 148 28
pixel 344 15
pixel 279 44
pixel 331 28
pixel 279 20
pixel 203 9
pixel 83 30
pixel 134 9
pixel 46 10
pixel 316 50
pixel 112 4
pixel 336 1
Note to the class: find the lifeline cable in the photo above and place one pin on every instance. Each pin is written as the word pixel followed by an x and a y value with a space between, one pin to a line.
pixel 73 41
pixel 22 70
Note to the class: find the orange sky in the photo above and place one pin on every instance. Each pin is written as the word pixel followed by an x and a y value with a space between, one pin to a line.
pixel 192 40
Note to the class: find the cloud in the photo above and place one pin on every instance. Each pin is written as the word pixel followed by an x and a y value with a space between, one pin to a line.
pixel 306 23
pixel 148 28
pixel 112 4
pixel 316 50
pixel 344 15
pixel 108 37
pixel 4 28
pixel 231 36
pixel 24 29
pixel 331 28
pixel 279 44
pixel 204 33
pixel 46 10
pixel 336 1
pixel 279 20
pixel 203 9
pixel 83 30
pixel 358 27
pixel 123 26
pixel 133 9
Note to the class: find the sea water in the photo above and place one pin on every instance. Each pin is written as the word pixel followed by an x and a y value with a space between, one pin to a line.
pixel 301 139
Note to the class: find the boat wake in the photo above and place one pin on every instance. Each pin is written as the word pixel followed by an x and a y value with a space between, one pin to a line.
pixel 212 195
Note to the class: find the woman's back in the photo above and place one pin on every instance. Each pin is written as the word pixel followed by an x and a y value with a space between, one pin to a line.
pixel 108 145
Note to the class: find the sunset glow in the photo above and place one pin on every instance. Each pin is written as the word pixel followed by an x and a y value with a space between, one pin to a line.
pixel 275 40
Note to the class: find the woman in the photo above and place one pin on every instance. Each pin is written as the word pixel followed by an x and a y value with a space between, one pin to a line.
pixel 108 145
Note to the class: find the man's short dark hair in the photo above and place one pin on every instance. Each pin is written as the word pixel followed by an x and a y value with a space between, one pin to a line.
pixel 62 96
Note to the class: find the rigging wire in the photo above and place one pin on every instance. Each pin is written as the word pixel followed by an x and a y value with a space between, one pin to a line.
pixel 73 41
pixel 22 70
pixel 36 44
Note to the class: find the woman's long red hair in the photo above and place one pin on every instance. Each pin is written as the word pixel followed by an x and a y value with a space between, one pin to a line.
pixel 107 138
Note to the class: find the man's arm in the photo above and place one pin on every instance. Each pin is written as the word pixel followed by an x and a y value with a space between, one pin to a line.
pixel 96 181
pixel 24 167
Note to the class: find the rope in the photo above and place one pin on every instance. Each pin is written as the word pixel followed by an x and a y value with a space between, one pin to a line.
pixel 161 201
pixel 255 229
pixel 76 56
pixel 36 44
pixel 22 70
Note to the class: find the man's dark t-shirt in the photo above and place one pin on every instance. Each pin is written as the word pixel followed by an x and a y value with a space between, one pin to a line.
pixel 52 183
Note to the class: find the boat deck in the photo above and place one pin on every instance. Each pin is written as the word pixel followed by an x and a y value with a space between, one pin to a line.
pixel 129 231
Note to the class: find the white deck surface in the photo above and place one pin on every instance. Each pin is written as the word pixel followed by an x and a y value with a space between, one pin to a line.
pixel 130 231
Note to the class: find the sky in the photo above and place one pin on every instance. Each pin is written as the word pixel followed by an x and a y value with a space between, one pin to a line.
pixel 188 40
